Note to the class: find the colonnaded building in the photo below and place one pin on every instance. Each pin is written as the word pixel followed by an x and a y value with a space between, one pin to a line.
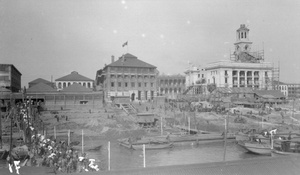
pixel 245 68
pixel 128 77
pixel 171 85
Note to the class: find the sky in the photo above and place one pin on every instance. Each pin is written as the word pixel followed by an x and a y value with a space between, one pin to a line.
pixel 52 38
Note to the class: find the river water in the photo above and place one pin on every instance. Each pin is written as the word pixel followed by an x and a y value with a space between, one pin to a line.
pixel 181 153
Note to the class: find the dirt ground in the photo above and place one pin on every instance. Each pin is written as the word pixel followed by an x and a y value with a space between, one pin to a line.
pixel 111 123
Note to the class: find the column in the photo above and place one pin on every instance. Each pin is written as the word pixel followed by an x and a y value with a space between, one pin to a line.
pixel 238 78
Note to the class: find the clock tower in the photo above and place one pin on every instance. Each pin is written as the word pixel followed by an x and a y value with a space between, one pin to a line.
pixel 242 44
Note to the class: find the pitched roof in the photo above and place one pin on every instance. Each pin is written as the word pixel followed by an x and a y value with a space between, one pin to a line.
pixel 40 80
pixel 3 90
pixel 129 60
pixel 41 87
pixel 74 76
pixel 75 87
pixel 269 93
pixel 234 90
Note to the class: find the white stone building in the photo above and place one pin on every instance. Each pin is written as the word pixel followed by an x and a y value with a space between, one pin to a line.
pixel 74 77
pixel 244 68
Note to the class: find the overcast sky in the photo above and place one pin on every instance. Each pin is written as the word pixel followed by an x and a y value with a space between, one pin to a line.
pixel 55 37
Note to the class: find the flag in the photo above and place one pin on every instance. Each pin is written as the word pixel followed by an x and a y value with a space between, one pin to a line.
pixel 125 44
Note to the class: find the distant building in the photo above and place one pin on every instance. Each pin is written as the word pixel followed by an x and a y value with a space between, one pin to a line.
pixel 128 76
pixel 282 87
pixel 244 69
pixel 293 90
pixel 171 85
pixel 74 77
pixel 10 77
pixel 40 80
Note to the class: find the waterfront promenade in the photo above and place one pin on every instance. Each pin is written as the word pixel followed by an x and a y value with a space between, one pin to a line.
pixel 265 166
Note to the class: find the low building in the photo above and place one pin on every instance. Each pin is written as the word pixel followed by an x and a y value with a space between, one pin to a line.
pixel 128 76
pixel 171 85
pixel 10 77
pixel 72 78
pixel 40 80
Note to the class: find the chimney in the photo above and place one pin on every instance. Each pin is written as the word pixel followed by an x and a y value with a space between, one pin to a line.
pixel 112 59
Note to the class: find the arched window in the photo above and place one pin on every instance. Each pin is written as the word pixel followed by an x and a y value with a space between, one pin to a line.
pixel 83 84
pixel 245 35
pixel 166 90
pixel 59 85
pixel 89 85
pixel 64 84
pixel 242 34
pixel 69 84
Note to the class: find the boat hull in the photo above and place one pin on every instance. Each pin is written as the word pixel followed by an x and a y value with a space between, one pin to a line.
pixel 147 146
pixel 256 148
pixel 277 153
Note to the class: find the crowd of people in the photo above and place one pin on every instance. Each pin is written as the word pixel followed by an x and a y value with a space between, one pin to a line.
pixel 37 150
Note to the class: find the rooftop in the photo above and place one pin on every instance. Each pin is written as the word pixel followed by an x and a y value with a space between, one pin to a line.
pixel 41 87
pixel 129 60
pixel 40 80
pixel 74 76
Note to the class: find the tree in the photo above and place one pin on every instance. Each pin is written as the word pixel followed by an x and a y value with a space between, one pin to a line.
pixel 211 87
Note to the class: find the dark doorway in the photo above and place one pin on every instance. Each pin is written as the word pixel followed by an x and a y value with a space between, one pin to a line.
pixel 132 96
pixel 139 95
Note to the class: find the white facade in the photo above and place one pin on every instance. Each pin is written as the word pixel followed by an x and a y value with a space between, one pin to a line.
pixel 63 84
pixel 246 69
pixel 194 74
pixel 283 88
pixel 235 74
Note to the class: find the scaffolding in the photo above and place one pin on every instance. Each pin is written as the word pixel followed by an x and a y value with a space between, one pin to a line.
pixel 275 77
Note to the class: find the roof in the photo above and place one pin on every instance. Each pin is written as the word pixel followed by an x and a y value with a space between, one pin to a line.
pixel 129 60
pixel 278 82
pixel 12 66
pixel 40 80
pixel 75 87
pixel 269 93
pixel 267 166
pixel 41 87
pixel 242 27
pixel 3 90
pixel 234 90
pixel 74 76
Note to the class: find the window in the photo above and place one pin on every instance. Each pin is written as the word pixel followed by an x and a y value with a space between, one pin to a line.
pixel 140 84
pixel 198 75
pixel 226 80
pixel 126 84
pixel 112 84
pixel 226 73
pixel 242 35
pixel 151 84
pixel 202 75
pixel 119 84
pixel 132 84
pixel 145 84
pixel 245 35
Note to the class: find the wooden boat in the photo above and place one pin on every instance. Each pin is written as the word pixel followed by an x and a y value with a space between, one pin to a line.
pixel 286 147
pixel 148 146
pixel 277 153
pixel 256 147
